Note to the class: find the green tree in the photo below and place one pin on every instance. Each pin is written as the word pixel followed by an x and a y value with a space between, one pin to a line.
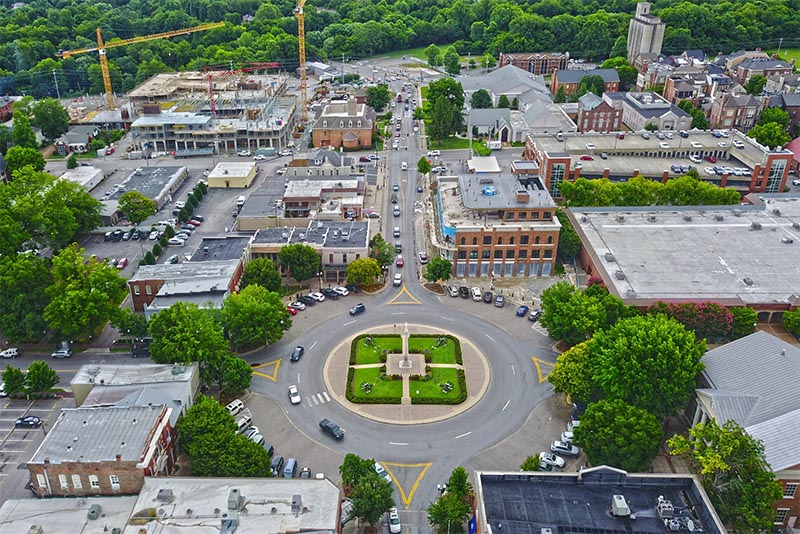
pixel 236 375
pixel 734 471
pixel 378 96
pixel 22 133
pixel 651 362
pixel 438 269
pixel 232 456
pixel 614 433
pixel 149 258
pixel 515 103
pixel 591 84
pixel 130 324
pixel 755 84
pixel 434 55
pixel 531 463
pixel 423 166
pixel 452 63
pixel 363 271
pixel 503 103
pixel 354 468
pixel 263 272
pixel 83 297
pixel 14 381
pixel 381 251
pixel 744 321
pixel 206 415
pixel 254 316
pixel 572 373
pixel 770 135
pixel 41 378
pixel 372 498
pixel 569 315
pixel 458 483
pixel 489 61
pixel 449 513
pixel 569 244
pixel 791 321
pixel 300 260
pixel 185 333
pixel 480 99
pixel 23 281
pixel 699 120
pixel 72 162
pixel 6 139
pixel 561 94
pixel 446 97
pixel 18 157
pixel 51 117
pixel 776 115
pixel 136 207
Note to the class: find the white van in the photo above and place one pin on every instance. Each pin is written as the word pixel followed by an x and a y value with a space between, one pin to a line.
pixel 404 166
pixel 234 407
pixel 241 200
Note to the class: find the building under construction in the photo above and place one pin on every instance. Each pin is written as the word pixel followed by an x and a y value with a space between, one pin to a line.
pixel 199 113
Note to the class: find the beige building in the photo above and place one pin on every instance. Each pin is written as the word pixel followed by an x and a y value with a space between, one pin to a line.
pixel 232 174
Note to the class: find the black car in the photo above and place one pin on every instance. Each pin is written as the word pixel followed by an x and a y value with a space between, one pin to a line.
pixel 29 421
pixel 297 353
pixel 463 292
pixel 352 289
pixel 330 293
pixel 116 235
pixel 308 301
pixel 332 428
pixel 487 297
pixel 276 465
pixel 357 309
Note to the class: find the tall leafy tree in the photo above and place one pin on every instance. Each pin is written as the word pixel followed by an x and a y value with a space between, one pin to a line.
pixel 434 55
pixel 206 415
pixel 699 120
pixel 438 269
pixel 41 378
pixel 591 84
pixel 612 432
pixel 380 250
pixel 83 296
pixel 755 84
pixel 130 324
pixel 23 281
pixel 734 471
pixel 254 316
pixel 354 468
pixel 372 498
pixel 423 166
pixel 503 102
pixel 651 362
pixel 569 315
pixel 18 157
pixel 363 271
pixel 263 272
pixel 51 117
pixel 22 133
pixel 770 134
pixel 6 139
pixel 572 373
pixel 480 99
pixel 301 261
pixel 136 207
pixel 14 381
pixel 236 375
pixel 776 115
pixel 744 321
pixel 446 97
pixel 378 96
pixel 449 513
pixel 569 244
pixel 452 63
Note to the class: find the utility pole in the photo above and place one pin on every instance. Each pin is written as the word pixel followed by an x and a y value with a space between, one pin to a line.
pixel 780 44
pixel 58 93
pixel 342 68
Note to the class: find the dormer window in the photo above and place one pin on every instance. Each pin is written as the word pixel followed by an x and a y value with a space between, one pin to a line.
pixel 350 124
pixel 341 124
pixel 359 124
pixel 325 123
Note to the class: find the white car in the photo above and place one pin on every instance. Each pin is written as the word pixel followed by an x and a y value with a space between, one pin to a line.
pixel 341 291
pixel 10 353
pixel 319 297
pixel 176 241
pixel 434 153
pixel 180 204
pixel 573 424
pixel 206 172
pixel 245 153
pixel 548 458
pixel 398 280
pixel 795 182
pixel 153 235
pixel 285 153
pixel 709 170
pixel 394 521
pixel 382 472
pixel 565 448
pixel 294 395
pixel 695 159
pixel 281 171
pixel 567 436
pixel 299 306
pixel 259 157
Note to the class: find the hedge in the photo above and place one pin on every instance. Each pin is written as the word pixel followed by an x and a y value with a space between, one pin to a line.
pixel 365 400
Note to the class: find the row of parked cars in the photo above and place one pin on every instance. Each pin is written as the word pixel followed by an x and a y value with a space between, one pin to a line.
pixel 550 461
pixel 332 293
pixel 488 297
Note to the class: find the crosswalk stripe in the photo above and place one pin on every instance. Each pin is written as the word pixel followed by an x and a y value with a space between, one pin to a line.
pixel 314 398
pixel 325 394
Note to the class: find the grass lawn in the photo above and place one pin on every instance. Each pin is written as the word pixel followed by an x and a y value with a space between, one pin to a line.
pixel 443 354
pixel 431 389
pixel 380 388
pixel 366 354
pixel 450 143
pixel 787 54
pixel 416 52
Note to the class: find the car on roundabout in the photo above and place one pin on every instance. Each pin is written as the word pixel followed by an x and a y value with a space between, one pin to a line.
pixel 329 427
pixel 297 353
pixel 294 395
pixel 358 309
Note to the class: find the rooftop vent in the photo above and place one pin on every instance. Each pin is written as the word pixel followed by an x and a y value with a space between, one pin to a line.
pixel 755 226
pixel 235 499
pixel 796 225
pixel 719 217
pixel 651 218
pixel 620 218
pixel 619 508
pixel 489 191
pixel 484 181
pixel 609 256
pixel 297 503
pixel 522 196
pixel 736 212
pixel 748 281
pixel 687 218
pixel 116 530
pixel 619 275
pixel 787 240
pixel 584 218
pixel 776 211
pixel 165 495
pixel 35 529
pixel 94 511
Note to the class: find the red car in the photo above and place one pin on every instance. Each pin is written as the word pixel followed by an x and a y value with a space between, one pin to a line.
pixel 399 262
pixel 292 310
pixel 195 222
pixel 587 157
pixel 711 159
pixel 122 263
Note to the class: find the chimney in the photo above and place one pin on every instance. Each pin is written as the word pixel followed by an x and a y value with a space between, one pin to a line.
pixel 352 107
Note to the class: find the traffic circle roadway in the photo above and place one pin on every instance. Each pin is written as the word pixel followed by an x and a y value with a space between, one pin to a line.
pixel 417 456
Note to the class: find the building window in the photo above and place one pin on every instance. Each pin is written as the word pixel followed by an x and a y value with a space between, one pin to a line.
pixel 148 290
pixel 330 258
pixel 523 240
pixel 76 482
pixel 359 123
pixel 522 215
pixel 790 490
pixel 136 290
pixel 474 240
pixel 473 254
pixel 487 240
pixel 511 240
pixel 486 254
pixel 463 241
pixel 523 254
pixel 498 254
pixel 41 481
pixel 548 254
pixel 462 254
pixel 509 254
pixel 499 240
pixel 535 215
pixel 549 240
pixel 114 479
pixel 94 482
pixel 536 240
pixel 344 258
pixel 341 124
pixel 535 254
pixel 510 215
pixel 780 515
pixel 325 124
pixel 548 215
pixel 62 481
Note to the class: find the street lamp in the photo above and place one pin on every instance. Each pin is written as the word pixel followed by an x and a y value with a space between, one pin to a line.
pixel 319 277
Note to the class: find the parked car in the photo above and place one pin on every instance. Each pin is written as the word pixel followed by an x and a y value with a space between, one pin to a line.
pixel 172 260
pixel 194 222
pixel 245 153
pixel 294 395
pixel 308 301
pixel 487 297
pixel 586 157
pixel 299 306
pixel 564 448
pixel 463 292
pixel 434 153
pixel 382 472
pixel 297 353
pixel 10 353
pixel 476 294
pixel 549 458
pixel 305 472
pixel 153 235
pixel 499 301
pixel 352 288
pixel 534 315
pixel 176 241
pixel 364 159
pixel 259 157
pixel 567 436
pixel 127 235
pixel 399 260
pixel 330 293
pixel 29 421
pixel 358 309
pixel 419 189
pixel 277 465
pixel 235 407
pixel 452 291
pixel 341 291
pixel 423 258
pixel 522 310
pixel 331 428
pixel 318 297
pixel 285 152
pixel 292 311
pixel 122 263
pixel 62 352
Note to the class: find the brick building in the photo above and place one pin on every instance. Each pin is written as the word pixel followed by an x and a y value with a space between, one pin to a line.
pixel 570 80
pixel 349 125
pixel 596 115
pixel 735 111
pixel 790 103
pixel 104 451
pixel 762 67
pixel 545 63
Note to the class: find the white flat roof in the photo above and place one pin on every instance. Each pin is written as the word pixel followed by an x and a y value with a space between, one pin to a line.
pixel 65 515
pixel 483 164
pixel 82 175
pixel 232 168
pixel 123 375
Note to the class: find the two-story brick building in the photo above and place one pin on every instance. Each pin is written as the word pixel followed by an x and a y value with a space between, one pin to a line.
pixel 735 111
pixel 570 80
pixel 104 451
pixel 597 115
pixel 545 63
pixel 345 124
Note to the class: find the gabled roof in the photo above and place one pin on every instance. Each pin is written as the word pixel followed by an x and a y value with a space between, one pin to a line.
pixel 794 147
pixel 575 76
pixel 488 117
pixel 590 101
pixel 780 437
pixel 761 64
pixel 508 80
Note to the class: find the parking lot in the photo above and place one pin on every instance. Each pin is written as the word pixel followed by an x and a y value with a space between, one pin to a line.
pixel 18 444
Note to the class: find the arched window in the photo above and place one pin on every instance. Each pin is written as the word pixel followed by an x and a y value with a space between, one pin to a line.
pixel 536 241
pixel 463 241
pixel 511 240
pixel 549 240
pixel 474 240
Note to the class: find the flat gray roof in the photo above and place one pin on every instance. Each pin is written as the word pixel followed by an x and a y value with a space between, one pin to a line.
pixel 144 373
pixel 267 200
pixel 65 515
pixel 221 248
pixel 526 503
pixel 500 192
pixel 171 118
pixel 187 270
pixel 266 505
pixel 149 181
pixel 742 254
pixel 98 434
pixel 327 234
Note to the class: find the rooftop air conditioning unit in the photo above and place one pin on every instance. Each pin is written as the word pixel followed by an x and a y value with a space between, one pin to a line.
pixel 796 225
pixel 584 218
pixel 620 218
pixel 737 212
pixel 609 256
pixel 165 495
pixel 687 218
pixel 94 511
pixel 787 240
pixel 748 281
pixel 755 226
pixel 619 508
pixel 719 217
pixel 651 218
pixel 619 275
pixel 776 211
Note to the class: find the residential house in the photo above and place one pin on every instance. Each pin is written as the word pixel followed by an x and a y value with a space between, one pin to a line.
pixel 790 103
pixel 348 125
pixel 545 63
pixel 762 67
pixel 639 110
pixel 731 62
pixel 735 111
pixel 782 83
pixel 570 80
pixel 596 115
pixel 76 139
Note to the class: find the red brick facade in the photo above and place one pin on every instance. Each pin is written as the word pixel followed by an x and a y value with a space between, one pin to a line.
pixel 546 63
pixel 601 118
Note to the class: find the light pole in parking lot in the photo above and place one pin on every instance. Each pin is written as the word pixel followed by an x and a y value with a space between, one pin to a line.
pixel 319 277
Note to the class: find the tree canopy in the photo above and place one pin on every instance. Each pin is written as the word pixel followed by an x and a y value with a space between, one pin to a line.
pixel 363 271
pixel 438 269
pixel 136 207
pixel 641 191
pixel 480 99
pixel 262 271
pixel 378 96
pixel 254 316
pixel 445 101
pixel 301 261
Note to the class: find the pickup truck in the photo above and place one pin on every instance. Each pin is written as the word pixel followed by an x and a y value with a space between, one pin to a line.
pixel 332 428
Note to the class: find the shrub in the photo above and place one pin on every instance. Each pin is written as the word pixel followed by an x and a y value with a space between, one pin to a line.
pixel 169 231
pixel 163 240
pixel 157 250
pixel 149 258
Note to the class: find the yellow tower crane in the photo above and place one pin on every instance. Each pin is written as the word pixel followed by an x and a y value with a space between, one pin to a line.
pixel 101 50
pixel 301 41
